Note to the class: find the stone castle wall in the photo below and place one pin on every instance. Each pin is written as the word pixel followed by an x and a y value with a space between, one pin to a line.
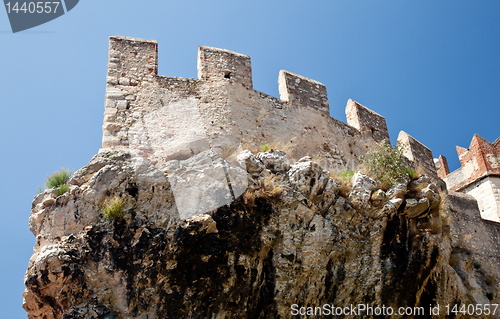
pixel 170 118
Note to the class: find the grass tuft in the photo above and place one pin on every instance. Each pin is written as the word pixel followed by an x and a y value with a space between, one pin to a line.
pixel 114 209
pixel 57 181
pixel 264 148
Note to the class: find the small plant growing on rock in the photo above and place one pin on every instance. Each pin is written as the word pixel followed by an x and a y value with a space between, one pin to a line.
pixel 346 176
pixel 57 181
pixel 270 187
pixel 412 173
pixel 264 147
pixel 114 208
pixel 388 165
pixel 344 179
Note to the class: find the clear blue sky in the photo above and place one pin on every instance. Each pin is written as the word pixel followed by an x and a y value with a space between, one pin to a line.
pixel 430 67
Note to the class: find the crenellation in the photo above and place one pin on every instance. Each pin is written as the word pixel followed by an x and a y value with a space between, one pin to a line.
pixel 165 118
pixel 132 63
pixel 479 175
pixel 218 64
pixel 368 122
pixel 442 167
pixel 296 89
pixel 418 153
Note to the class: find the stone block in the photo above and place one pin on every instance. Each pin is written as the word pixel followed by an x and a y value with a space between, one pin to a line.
pixel 218 64
pixel 418 153
pixel 368 122
pixel 124 81
pixel 122 104
pixel 133 53
pixel 297 89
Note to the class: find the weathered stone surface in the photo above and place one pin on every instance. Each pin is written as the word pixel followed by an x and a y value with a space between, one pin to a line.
pixel 423 187
pixel 247 259
pixel 416 207
pixel 378 198
pixel 362 187
pixel 203 183
pixel 275 160
pixel 397 191
pixel 252 164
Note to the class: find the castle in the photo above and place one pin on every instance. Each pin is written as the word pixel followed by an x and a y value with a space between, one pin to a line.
pixel 170 118
pixel 479 175
pixel 174 118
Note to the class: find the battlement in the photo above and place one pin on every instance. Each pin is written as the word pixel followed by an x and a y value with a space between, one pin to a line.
pixel 479 175
pixel 217 64
pixel 131 60
pixel 418 153
pixel 368 122
pixel 297 89
pixel 165 118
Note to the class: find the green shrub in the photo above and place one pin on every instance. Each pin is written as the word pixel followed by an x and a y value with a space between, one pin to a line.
pixel 412 173
pixel 61 189
pixel 58 181
pixel 264 147
pixel 114 208
pixel 388 165
pixel 346 176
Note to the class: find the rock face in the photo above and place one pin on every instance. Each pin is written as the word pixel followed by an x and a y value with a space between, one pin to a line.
pixel 290 240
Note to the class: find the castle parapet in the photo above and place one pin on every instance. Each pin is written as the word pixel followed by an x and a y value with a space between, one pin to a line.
pixel 218 64
pixel 479 160
pixel 442 167
pixel 418 153
pixel 131 60
pixel 368 122
pixel 479 175
pixel 297 89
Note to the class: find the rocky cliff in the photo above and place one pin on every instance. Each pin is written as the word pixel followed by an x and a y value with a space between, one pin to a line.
pixel 294 244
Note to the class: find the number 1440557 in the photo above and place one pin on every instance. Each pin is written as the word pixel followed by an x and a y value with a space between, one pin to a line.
pixel 32 7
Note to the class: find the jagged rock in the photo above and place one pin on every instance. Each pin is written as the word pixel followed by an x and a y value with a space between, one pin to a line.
pixel 397 191
pixel 275 160
pixel 309 246
pixel 378 198
pixel 362 187
pixel 107 175
pixel 416 186
pixel 308 178
pixel 414 208
pixel 252 164
pixel 431 194
pixel 387 210
pixel 208 225
pixel 396 202
pixel 423 187
pixel 204 182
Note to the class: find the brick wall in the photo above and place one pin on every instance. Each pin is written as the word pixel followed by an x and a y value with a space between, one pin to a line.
pixel 479 160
